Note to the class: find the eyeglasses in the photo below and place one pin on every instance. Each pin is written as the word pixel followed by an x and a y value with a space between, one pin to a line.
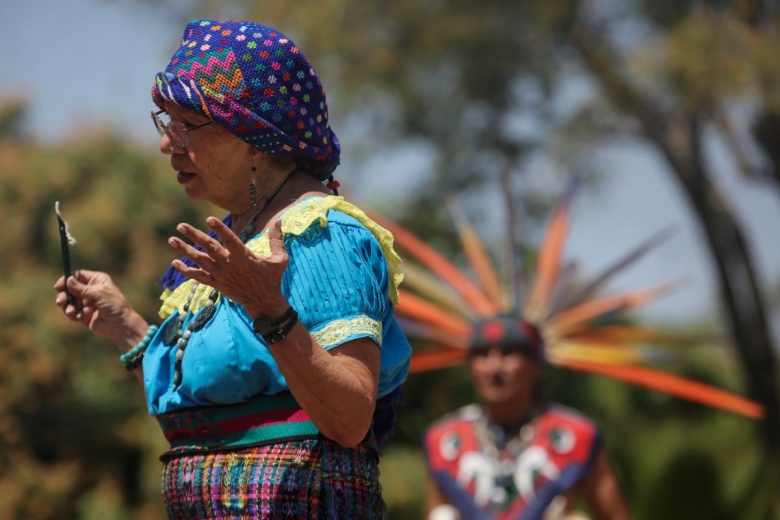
pixel 177 132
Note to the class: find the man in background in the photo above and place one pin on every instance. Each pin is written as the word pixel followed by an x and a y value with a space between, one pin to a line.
pixel 513 456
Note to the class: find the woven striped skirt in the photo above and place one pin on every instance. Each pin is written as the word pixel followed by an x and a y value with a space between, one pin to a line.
pixel 315 479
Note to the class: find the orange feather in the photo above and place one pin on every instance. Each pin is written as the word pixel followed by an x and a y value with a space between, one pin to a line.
pixel 548 261
pixel 430 334
pixel 442 267
pixel 671 384
pixel 415 307
pixel 478 257
pixel 601 308
pixel 420 281
pixel 436 359
pixel 629 334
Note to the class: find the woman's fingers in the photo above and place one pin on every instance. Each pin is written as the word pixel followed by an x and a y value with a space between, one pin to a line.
pixel 212 252
pixel 82 285
pixel 213 247
pixel 209 246
pixel 62 301
pixel 200 258
pixel 276 240
pixel 195 273
pixel 232 269
pixel 232 243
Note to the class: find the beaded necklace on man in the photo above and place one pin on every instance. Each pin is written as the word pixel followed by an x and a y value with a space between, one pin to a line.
pixel 175 332
pixel 501 447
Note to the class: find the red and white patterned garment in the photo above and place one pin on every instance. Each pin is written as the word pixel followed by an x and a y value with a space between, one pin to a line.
pixel 559 451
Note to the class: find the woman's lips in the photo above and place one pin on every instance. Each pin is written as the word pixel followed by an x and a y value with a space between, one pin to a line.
pixel 184 177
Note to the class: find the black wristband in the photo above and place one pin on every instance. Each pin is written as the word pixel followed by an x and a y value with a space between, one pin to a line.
pixel 281 333
pixel 135 362
pixel 265 326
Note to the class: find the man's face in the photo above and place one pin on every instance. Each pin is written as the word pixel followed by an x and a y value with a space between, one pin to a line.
pixel 503 375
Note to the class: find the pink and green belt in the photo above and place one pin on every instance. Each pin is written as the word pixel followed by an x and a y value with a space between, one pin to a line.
pixel 268 419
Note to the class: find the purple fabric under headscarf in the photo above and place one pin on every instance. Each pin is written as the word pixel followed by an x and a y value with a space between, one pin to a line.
pixel 256 82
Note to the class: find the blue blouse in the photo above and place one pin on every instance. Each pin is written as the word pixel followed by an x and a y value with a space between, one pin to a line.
pixel 340 282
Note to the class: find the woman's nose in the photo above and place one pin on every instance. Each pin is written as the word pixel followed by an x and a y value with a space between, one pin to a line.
pixel 167 147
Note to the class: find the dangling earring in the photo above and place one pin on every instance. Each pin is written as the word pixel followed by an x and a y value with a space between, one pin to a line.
pixel 253 188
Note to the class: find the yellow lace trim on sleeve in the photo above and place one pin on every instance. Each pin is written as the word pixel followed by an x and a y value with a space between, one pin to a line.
pixel 336 332
pixel 176 299
pixel 296 220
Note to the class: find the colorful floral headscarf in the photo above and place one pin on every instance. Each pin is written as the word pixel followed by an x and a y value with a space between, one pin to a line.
pixel 256 82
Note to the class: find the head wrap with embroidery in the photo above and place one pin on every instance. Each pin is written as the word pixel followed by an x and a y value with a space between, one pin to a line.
pixel 257 83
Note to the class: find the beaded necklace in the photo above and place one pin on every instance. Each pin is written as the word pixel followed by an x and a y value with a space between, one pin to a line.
pixel 175 332
pixel 496 440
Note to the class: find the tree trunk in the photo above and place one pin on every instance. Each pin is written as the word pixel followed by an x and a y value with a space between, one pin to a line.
pixel 740 294
pixel 679 142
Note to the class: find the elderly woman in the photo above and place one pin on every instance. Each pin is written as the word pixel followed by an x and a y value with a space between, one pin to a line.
pixel 274 369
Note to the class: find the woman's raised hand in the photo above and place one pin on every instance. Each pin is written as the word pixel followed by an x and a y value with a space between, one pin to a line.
pixel 100 306
pixel 253 281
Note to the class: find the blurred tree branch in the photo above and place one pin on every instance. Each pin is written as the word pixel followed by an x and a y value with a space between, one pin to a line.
pixel 677 134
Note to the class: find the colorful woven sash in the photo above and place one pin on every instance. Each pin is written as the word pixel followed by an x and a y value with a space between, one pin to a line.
pixel 264 420
pixel 268 419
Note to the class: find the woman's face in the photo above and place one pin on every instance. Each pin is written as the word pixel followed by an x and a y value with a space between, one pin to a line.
pixel 215 165
pixel 503 375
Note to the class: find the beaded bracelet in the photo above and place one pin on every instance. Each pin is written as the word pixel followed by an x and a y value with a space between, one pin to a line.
pixel 132 357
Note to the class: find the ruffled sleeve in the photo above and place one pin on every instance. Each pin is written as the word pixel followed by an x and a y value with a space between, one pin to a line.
pixel 340 279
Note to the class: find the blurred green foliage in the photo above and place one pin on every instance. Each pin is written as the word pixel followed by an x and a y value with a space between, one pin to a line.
pixel 75 438
pixel 76 441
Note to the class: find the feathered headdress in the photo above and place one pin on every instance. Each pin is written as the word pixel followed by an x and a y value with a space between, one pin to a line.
pixel 582 331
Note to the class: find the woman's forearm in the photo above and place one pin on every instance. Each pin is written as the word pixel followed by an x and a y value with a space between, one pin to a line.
pixel 337 388
pixel 131 334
